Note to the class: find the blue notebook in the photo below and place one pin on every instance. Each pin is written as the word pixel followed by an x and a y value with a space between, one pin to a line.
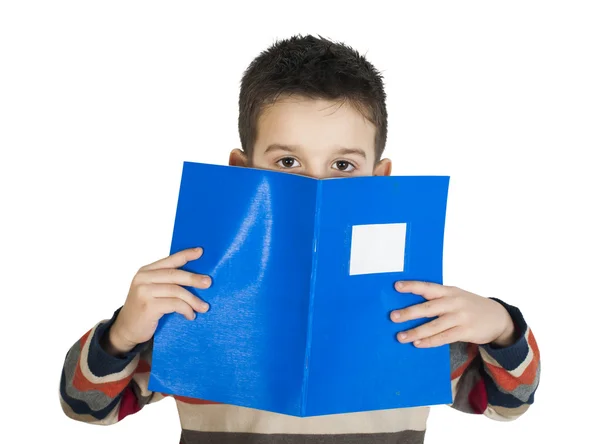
pixel 303 277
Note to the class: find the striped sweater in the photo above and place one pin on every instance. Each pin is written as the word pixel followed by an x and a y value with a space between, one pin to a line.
pixel 98 388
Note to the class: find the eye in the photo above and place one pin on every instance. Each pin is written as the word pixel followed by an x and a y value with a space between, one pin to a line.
pixel 288 162
pixel 343 165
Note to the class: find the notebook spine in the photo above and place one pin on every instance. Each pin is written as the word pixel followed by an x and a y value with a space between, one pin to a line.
pixel 313 278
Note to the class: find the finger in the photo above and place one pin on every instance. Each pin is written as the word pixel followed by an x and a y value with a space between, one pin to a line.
pixel 171 290
pixel 429 290
pixel 174 276
pixel 428 329
pixel 427 309
pixel 176 260
pixel 174 305
pixel 449 336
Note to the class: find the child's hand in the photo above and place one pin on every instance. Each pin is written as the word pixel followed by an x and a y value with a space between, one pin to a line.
pixel 156 290
pixel 461 317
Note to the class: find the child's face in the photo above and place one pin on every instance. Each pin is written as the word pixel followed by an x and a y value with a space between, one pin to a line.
pixel 315 138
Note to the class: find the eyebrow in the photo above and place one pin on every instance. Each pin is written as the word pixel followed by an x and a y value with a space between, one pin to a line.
pixel 292 149
pixel 347 151
pixel 279 147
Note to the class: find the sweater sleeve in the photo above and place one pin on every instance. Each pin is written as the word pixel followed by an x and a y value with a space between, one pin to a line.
pixel 98 388
pixel 499 383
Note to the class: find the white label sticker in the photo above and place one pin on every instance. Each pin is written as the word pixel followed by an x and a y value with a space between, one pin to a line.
pixel 377 248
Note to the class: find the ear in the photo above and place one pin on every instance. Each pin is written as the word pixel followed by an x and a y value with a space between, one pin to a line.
pixel 238 158
pixel 383 168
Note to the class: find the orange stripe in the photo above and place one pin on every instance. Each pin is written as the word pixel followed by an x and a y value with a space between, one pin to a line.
pixel 534 346
pixel 509 382
pixel 503 378
pixel 528 376
pixel 83 339
pixel 110 389
pixel 472 351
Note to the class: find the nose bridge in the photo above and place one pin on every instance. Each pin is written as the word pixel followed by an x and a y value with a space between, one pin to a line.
pixel 316 170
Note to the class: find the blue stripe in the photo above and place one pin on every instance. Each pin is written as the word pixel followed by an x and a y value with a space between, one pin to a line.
pixel 80 407
pixel 514 355
pixel 501 399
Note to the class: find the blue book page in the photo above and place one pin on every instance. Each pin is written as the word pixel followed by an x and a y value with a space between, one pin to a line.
pixel 256 228
pixel 371 232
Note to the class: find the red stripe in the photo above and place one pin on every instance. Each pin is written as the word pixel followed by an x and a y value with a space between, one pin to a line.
pixel 129 404
pixel 194 401
pixel 478 398
pixel 143 367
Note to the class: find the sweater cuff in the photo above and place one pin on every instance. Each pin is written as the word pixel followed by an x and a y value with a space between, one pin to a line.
pixel 512 356
pixel 102 363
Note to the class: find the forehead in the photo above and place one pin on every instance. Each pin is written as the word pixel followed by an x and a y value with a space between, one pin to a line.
pixel 316 123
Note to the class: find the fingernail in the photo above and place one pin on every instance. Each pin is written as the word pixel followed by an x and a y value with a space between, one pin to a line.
pixel 402 336
pixel 395 317
pixel 204 307
pixel 399 284
pixel 206 281
pixel 417 342
pixel 198 249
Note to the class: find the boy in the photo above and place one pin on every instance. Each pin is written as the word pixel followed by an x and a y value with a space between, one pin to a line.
pixel 307 106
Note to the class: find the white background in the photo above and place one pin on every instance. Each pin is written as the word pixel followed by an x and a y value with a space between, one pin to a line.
pixel 101 102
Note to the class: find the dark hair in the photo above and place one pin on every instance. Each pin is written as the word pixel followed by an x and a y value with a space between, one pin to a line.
pixel 315 68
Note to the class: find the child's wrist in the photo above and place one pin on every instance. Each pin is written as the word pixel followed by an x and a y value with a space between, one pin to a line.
pixel 508 336
pixel 115 344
